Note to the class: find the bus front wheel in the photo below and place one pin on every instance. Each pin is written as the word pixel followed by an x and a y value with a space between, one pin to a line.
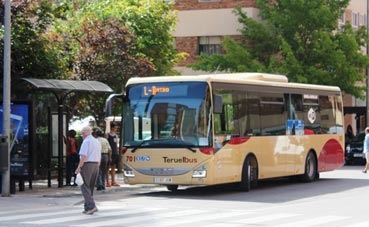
pixel 311 173
pixel 249 174
pixel 172 188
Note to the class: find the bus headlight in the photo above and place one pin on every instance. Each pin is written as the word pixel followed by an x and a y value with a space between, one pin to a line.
pixel 128 172
pixel 199 172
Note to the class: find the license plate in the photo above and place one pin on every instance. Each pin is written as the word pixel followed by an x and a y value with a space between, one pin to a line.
pixel 162 180
pixel 358 155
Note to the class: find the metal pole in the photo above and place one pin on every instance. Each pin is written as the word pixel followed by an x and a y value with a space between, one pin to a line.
pixel 60 143
pixel 5 189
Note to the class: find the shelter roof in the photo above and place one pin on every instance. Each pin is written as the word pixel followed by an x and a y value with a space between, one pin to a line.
pixel 69 85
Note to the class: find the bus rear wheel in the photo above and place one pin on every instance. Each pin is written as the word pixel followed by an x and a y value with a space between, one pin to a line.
pixel 172 188
pixel 249 174
pixel 311 167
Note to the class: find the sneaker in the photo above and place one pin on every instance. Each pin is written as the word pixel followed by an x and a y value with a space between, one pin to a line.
pixel 92 211
pixel 115 184
pixel 108 184
pixel 364 171
pixel 84 212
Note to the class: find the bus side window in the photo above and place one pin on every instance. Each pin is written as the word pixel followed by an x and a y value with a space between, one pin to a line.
pixel 311 114
pixel 221 123
pixel 294 106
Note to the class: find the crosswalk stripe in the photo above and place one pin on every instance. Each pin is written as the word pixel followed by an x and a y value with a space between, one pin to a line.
pixel 223 225
pixel 26 210
pixel 312 221
pixel 35 215
pixel 162 219
pixel 101 213
pixel 265 218
pixel 361 224
pixel 213 215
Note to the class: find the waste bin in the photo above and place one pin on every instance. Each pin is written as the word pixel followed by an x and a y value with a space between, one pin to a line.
pixel 4 154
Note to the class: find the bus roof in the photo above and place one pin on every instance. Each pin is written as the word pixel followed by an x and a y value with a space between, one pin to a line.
pixel 239 78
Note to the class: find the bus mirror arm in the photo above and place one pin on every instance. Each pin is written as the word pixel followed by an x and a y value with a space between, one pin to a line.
pixel 109 100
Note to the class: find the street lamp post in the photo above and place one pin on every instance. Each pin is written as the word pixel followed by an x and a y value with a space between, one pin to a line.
pixel 6 94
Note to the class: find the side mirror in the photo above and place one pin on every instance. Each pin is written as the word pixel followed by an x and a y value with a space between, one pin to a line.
pixel 108 102
pixel 218 104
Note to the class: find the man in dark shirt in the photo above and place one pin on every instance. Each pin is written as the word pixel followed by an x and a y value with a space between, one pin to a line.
pixel 115 157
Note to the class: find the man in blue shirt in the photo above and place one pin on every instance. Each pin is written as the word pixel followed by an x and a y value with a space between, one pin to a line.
pixel 88 167
pixel 366 149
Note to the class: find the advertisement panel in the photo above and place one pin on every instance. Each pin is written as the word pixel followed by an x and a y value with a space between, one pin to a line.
pixel 19 138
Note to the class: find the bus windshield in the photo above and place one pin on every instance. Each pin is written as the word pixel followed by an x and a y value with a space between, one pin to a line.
pixel 169 114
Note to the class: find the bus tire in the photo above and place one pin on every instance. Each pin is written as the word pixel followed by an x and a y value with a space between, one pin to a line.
pixel 311 167
pixel 249 176
pixel 172 188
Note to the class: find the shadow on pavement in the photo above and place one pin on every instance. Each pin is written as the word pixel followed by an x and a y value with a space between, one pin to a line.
pixel 279 190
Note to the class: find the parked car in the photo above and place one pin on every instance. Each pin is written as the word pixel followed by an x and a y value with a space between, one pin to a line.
pixel 354 150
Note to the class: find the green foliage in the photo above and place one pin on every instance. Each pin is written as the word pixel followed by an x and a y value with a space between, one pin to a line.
pixel 105 56
pixel 104 53
pixel 150 21
pixel 236 59
pixel 31 53
pixel 298 38
pixel 111 41
pixel 108 41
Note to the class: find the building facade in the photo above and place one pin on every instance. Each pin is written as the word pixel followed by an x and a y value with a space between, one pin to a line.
pixel 355 108
pixel 202 24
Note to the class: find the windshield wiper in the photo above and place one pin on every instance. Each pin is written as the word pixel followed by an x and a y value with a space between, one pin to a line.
pixel 188 146
pixel 191 149
pixel 168 143
pixel 138 146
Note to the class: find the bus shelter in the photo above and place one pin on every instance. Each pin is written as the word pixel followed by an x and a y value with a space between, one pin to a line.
pixel 62 89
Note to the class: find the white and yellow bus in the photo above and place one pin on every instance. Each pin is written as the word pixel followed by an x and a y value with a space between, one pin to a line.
pixel 229 128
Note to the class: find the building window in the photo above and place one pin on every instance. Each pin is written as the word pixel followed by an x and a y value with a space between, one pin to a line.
pixel 362 20
pixel 354 21
pixel 210 45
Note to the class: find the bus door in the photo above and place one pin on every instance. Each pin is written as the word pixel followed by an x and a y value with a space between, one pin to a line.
pixel 294 130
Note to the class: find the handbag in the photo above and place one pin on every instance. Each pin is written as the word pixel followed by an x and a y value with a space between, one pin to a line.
pixel 79 179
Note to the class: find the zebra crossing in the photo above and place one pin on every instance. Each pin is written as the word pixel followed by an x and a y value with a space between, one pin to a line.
pixel 116 214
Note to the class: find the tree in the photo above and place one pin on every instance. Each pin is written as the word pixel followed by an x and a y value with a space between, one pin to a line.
pixel 298 38
pixel 104 55
pixel 150 21
pixel 111 41
pixel 31 53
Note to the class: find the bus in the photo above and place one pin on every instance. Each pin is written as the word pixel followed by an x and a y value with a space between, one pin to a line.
pixel 229 128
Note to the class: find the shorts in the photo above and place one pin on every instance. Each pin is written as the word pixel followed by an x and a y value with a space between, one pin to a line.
pixel 114 160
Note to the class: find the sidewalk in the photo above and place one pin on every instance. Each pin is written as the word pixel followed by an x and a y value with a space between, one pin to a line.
pixel 40 188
